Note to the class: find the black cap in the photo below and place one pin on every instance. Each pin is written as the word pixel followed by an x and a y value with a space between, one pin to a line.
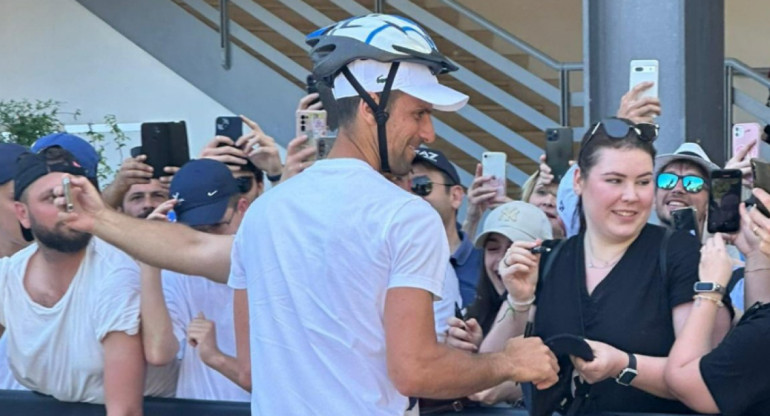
pixel 9 153
pixel 437 160
pixel 32 166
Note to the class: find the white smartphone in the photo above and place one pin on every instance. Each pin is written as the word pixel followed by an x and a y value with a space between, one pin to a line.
pixel 493 164
pixel 744 134
pixel 643 70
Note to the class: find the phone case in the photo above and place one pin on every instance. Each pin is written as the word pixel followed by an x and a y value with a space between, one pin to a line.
pixel 165 144
pixel 724 199
pixel 558 150
pixel 743 135
pixel 312 123
pixel 761 172
pixel 493 164
pixel 686 220
pixel 642 70
pixel 229 126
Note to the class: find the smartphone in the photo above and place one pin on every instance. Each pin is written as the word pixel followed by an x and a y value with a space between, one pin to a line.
pixel 312 87
pixel 558 151
pixel 312 123
pixel 724 199
pixel 642 70
pixel 165 144
pixel 685 219
pixel 761 171
pixel 65 183
pixel 744 134
pixel 229 126
pixel 493 164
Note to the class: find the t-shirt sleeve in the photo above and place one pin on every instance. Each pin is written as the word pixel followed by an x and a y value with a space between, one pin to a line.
pixel 419 249
pixel 117 303
pixel 736 372
pixel 237 278
pixel 4 261
pixel 178 311
pixel 683 253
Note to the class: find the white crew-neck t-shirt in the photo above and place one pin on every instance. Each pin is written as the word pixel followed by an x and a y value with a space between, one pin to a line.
pixel 318 254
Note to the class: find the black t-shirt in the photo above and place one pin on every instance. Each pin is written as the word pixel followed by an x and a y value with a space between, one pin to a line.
pixel 631 309
pixel 737 372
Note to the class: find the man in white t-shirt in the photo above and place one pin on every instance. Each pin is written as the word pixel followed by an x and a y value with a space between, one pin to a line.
pixel 11 240
pixel 69 303
pixel 188 313
pixel 341 266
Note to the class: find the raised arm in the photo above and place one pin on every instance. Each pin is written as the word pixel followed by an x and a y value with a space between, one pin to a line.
pixel 165 245
pixel 160 344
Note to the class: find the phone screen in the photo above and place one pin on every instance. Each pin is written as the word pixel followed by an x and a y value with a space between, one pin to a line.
pixel 724 199
pixel 685 219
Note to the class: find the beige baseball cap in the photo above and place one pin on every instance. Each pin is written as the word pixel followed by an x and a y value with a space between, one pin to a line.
pixel 517 220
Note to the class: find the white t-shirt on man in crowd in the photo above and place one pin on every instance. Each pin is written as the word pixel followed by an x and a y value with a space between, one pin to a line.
pixel 318 255
pixel 186 296
pixel 7 381
pixel 58 350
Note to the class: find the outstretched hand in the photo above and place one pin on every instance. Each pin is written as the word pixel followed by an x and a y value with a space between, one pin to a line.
pixel 88 206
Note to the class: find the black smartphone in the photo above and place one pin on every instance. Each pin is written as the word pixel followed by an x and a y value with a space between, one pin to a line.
pixel 312 87
pixel 724 199
pixel 761 172
pixel 685 219
pixel 165 144
pixel 229 126
pixel 558 150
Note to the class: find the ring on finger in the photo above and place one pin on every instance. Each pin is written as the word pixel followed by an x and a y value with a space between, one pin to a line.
pixel 755 229
pixel 505 261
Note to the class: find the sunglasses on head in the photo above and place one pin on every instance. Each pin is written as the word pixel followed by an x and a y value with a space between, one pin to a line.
pixel 423 186
pixel 691 183
pixel 618 128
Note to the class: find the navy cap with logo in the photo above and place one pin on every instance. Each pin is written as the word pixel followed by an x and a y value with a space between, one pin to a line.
pixel 202 188
pixel 83 152
pixel 32 166
pixel 437 160
pixel 9 153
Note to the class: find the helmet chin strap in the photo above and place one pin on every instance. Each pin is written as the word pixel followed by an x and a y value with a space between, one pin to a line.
pixel 380 115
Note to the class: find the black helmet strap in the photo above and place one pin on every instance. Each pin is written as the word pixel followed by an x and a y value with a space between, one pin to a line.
pixel 380 115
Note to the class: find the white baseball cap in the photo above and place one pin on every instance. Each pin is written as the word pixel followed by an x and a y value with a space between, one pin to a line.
pixel 517 220
pixel 414 79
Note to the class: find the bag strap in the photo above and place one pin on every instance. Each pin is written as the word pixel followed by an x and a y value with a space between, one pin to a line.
pixel 551 257
pixel 663 257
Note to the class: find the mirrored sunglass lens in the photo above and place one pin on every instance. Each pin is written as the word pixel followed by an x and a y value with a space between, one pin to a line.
pixel 692 184
pixel 617 129
pixel 421 185
pixel 667 181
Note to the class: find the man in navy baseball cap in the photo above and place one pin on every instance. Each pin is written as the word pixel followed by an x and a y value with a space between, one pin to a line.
pixel 83 152
pixel 205 190
pixel 11 239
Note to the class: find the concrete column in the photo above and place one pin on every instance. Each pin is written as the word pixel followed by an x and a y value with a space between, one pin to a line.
pixel 687 38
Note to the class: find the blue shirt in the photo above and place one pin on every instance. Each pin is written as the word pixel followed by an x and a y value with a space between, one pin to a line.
pixel 467 261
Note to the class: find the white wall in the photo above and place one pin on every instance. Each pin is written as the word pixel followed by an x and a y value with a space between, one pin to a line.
pixel 56 49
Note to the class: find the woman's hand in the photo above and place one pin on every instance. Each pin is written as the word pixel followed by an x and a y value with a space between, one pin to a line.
pixel 608 362
pixel 519 270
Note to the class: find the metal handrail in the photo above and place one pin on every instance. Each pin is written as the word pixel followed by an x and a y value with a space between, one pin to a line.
pixel 508 37
pixel 747 71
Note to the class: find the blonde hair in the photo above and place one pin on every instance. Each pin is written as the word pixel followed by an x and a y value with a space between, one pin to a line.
pixel 529 186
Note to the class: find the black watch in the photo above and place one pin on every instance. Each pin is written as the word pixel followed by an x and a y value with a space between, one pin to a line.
pixel 629 373
pixel 708 287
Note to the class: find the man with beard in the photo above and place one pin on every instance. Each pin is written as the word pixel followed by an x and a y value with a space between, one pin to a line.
pixel 69 303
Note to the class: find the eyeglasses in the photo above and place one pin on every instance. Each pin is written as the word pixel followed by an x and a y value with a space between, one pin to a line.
pixel 618 128
pixel 691 183
pixel 423 186
pixel 211 228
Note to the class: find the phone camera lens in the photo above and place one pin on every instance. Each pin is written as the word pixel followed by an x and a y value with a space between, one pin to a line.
pixel 638 69
pixel 224 123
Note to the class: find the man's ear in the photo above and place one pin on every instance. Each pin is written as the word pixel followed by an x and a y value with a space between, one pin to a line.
pixel 366 112
pixel 456 194
pixel 22 213
pixel 242 205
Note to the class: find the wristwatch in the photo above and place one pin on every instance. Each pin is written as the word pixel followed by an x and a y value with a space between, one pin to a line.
pixel 708 287
pixel 629 373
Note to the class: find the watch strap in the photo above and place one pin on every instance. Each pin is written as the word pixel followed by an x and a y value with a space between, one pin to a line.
pixel 629 373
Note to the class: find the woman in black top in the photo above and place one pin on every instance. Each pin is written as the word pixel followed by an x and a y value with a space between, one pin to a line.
pixel 607 284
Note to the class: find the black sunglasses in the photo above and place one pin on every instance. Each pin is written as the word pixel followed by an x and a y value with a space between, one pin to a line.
pixel 423 186
pixel 618 128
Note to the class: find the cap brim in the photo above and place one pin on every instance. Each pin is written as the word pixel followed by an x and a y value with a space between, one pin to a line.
pixel 512 235
pixel 205 214
pixel 663 160
pixel 440 96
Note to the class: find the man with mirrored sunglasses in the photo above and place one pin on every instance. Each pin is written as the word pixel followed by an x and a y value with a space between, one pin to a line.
pixel 681 181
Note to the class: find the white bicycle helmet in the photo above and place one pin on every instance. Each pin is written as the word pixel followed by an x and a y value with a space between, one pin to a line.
pixel 379 37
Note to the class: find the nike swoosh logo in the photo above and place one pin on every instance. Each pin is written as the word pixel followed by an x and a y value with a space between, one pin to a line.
pixel 212 193
pixel 381 79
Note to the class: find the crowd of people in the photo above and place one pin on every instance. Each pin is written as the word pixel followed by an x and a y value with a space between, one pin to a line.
pixel 351 285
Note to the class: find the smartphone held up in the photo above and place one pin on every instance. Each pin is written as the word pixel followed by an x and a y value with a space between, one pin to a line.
pixel 493 164
pixel 724 200
pixel 312 123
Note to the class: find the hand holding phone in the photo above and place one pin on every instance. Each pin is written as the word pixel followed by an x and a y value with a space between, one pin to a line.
pixel 229 126
pixel 493 164
pixel 644 70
